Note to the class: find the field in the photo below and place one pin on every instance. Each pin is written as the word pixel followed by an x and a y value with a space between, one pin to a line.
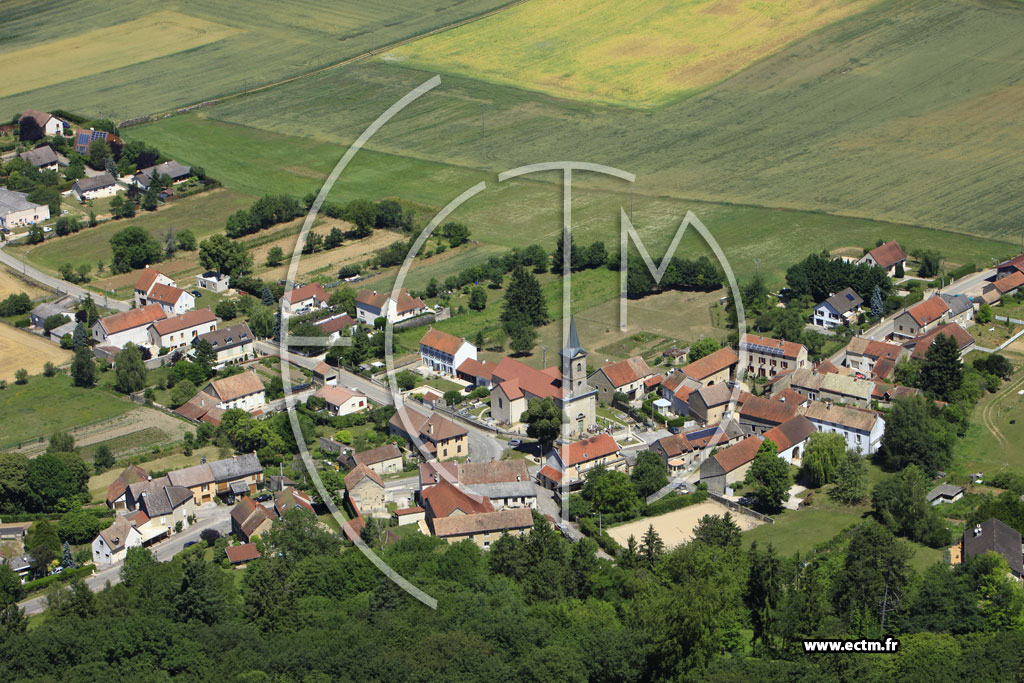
pixel 21 349
pixel 642 53
pixel 906 112
pixel 11 283
pixel 49 404
pixel 993 440
pixel 138 58
pixel 676 527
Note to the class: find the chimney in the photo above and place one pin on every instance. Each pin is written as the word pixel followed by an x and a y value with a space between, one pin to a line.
pixel 519 477
pixel 149 478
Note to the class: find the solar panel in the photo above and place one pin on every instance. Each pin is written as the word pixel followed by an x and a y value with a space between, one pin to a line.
pixel 849 297
pixel 83 138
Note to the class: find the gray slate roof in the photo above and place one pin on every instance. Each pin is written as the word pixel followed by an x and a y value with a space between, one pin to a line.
pixel 994 536
pixel 844 301
pixel 41 156
pixel 95 183
pixel 944 490
pixel 235 468
pixel 47 309
pixel 11 201
pixel 958 303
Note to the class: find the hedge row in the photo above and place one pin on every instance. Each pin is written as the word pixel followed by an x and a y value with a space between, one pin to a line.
pixel 674 501
pixel 101 513
pixel 64 576
pixel 589 526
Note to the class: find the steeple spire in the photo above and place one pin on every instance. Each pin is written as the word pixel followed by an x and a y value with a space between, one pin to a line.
pixel 573 348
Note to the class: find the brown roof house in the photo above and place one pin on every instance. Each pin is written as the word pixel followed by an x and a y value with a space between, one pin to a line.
pixel 111 545
pixel 767 357
pixel 791 438
pixel 181 330
pixel 130 326
pixel 567 467
pixel 729 465
pixel 116 492
pixel 373 305
pixel 919 347
pixel 241 555
pixel 887 256
pixel 708 405
pixel 624 377
pixel 920 318
pixel 341 400
pixel 386 459
pixel 485 527
pixel 233 344
pixel 243 391
pixel 304 299
pixel 443 352
pixel 862 355
pixel 249 519
pixel 365 491
pixel 505 483
pixel 714 368
pixel 441 438
pixel 757 414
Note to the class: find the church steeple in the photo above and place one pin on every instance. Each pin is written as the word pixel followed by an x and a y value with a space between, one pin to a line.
pixel 574 361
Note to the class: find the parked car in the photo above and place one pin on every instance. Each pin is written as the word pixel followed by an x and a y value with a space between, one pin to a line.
pixel 197 294
pixel 515 443
pixel 263 497
pixel 674 430
pixel 189 544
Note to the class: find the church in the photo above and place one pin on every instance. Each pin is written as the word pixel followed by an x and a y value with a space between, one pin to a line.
pixel 514 384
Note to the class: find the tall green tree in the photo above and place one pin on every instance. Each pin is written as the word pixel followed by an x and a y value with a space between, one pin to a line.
pixel 762 595
pixel 80 337
pixel 543 420
pixel 851 480
pixel 649 473
pixel 200 597
pixel 702 347
pixel 822 456
pixel 900 503
pixel 225 255
pixel 916 433
pixel 83 367
pixel 942 372
pixel 651 547
pixel 206 356
pixel 130 370
pixel 60 442
pixel 770 475
pixel 477 299
pixel 874 579
pixel 133 248
pixel 719 531
pixel 524 300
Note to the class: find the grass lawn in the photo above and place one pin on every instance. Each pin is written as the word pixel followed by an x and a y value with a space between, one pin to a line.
pixel 98 483
pixel 993 440
pixel 48 404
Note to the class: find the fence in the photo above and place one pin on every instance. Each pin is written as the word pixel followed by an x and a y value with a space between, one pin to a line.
pixel 736 507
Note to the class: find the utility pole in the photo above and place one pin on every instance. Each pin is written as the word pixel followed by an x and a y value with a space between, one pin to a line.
pixel 544 355
pixel 757 265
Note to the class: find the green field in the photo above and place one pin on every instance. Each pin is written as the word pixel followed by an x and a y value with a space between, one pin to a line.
pixel 137 57
pixel 632 54
pixel 906 112
pixel 992 442
pixel 49 404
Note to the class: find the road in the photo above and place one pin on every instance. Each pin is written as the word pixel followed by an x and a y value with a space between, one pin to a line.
pixel 56 283
pixel 483 446
pixel 218 518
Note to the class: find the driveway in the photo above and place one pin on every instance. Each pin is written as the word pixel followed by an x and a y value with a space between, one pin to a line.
pixel 217 517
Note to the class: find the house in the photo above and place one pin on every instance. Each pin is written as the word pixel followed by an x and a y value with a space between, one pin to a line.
pixel 304 299
pixel 862 429
pixel 839 309
pixel 117 491
pixel 445 499
pixel 709 404
pixel 514 384
pixel 50 124
pixel 57 333
pixel 624 377
pixel 17 211
pixel 365 491
pixel 890 257
pixel 130 326
pixel 290 497
pixel 83 138
pixel 679 451
pixel 174 301
pixel 386 459
pixel 38 315
pixel 767 357
pixel 157 506
pixel 336 325
pixel 443 352
pixel 506 483
pixel 757 415
pixel 243 391
pixel 714 368
pixel 828 386
pixel 567 467
pixel 341 401
pixel 249 519
pixel 993 536
pixel 919 347
pixel 14 531
pixel 961 309
pixel 149 278
pixel 171 169
pixel 324 374
pixel 477 372
pixel 676 389
pixel 201 408
pixel 96 187
pixel 437 435
pixel 1010 283
pixel 233 344
pixel 279 482
pixel 181 330
pixel 872 358
pixel 42 158
pixel 483 528
pixel 729 465
pixel 212 281
pixel 885 393
pixel 373 305
pixel 791 437
pixel 945 493
pixel 241 555
pixel 111 545
pixel 1007 268
pixel 920 318
pixel 235 476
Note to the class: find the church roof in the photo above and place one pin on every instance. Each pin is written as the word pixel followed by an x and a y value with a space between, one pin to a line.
pixel 573 348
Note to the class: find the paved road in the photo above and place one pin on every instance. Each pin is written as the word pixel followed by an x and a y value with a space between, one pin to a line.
pixel 971 284
pixel 58 284
pixel 218 518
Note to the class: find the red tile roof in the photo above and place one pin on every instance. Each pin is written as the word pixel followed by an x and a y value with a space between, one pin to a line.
pixel 1016 262
pixel 184 321
pixel 888 254
pixel 588 449
pixel 789 349
pixel 738 455
pixel 358 473
pixel 539 383
pixel 147 278
pixel 130 475
pixel 237 386
pixel 550 473
pixel 242 553
pixel 444 498
pixel 928 311
pixel 314 291
pixel 1010 282
pixel 441 341
pixel 790 433
pixel 336 396
pixel 873 349
pixel 767 410
pixel 788 395
pixel 626 371
pixel 919 346
pixel 165 294
pixel 652 382
pixel 339 324
pixel 476 368
pixel 136 317
pixel 712 363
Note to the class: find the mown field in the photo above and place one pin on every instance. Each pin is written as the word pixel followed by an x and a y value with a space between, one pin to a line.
pixel 519 212
pixel 638 54
pixel 907 112
pixel 137 57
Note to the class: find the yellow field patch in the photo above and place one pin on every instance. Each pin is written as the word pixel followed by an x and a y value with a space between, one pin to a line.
pixel 640 54
pixel 156 35
pixel 21 349
pixel 12 284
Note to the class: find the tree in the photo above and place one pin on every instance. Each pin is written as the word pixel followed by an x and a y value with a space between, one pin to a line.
pixel 524 301
pixel 149 199
pixel 374 534
pixel 457 233
pixel 477 299
pixel 133 248
pixel 406 380
pixel 201 595
pixel 275 256
pixel 206 355
pixel 651 547
pixel 931 261
pixel 764 589
pixel 363 215
pixel 137 561
pixel 649 474
pixel 611 492
pixel 543 420
pixel 822 456
pixel 942 373
pixel 226 309
pixel 83 367
pixel 182 393
pixel 130 370
pixel 187 240
pixel 702 347
pixel 873 581
pixel 49 369
pixel 899 273
pixel 770 475
pixel 60 442
pixel 916 433
pixel 29 129
pixel 723 532
pixel 21 376
pixel 225 256
pixel 452 397
pixel 42 544
pixel 80 337
pixel 55 481
pixel 103 459
pixel 78 527
pixel 261 321
pixel 851 480
pixel 900 504
pixel 297 535
pixel 522 339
